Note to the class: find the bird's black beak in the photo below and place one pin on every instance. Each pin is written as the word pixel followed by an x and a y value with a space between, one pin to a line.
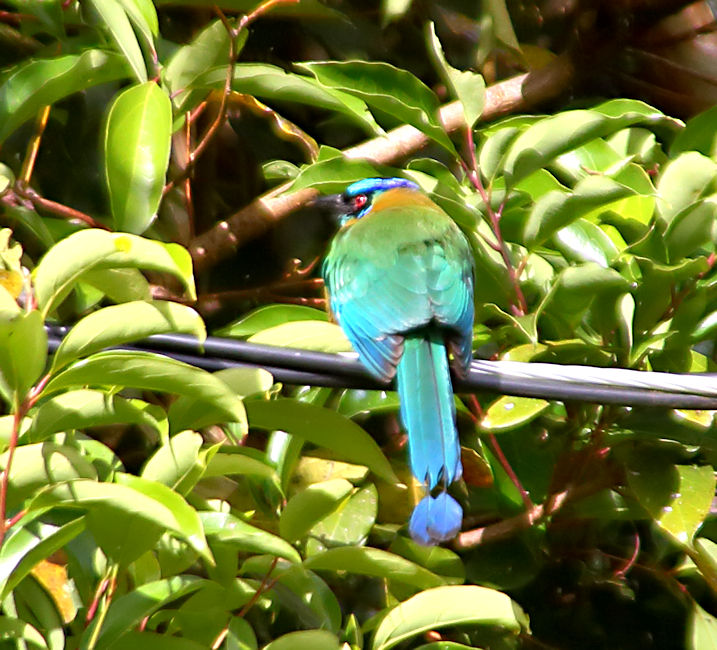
pixel 332 205
pixel 329 203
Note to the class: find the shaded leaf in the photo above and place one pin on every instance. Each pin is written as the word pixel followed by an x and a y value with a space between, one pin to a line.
pixel 311 505
pixel 41 82
pixel 322 427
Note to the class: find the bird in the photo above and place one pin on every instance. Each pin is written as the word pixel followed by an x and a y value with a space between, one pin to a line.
pixel 399 276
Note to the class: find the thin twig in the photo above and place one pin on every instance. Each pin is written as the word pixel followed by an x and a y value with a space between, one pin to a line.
pixel 33 147
pixel 58 209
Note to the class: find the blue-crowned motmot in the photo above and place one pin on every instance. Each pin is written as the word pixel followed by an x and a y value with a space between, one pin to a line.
pixel 399 275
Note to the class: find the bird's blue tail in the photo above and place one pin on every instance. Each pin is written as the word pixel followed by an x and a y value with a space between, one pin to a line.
pixel 428 413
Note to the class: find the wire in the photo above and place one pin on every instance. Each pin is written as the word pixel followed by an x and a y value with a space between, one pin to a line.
pixel 539 380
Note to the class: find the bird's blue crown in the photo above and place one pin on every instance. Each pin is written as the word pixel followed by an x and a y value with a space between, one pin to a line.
pixel 371 185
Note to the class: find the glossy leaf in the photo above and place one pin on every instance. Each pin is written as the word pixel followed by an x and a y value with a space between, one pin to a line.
pixel 25 546
pixel 310 506
pixel 23 351
pixel 552 136
pixel 386 88
pixel 351 522
pixel 268 317
pixel 83 408
pixel 116 22
pixel 321 427
pixel 43 464
pixel 691 229
pixel 63 265
pixel 40 82
pixel 305 640
pixel 132 321
pixel 225 528
pixel 333 174
pixel 508 413
pixel 208 49
pixel 303 592
pixel 702 629
pixel 176 464
pixel 126 611
pixel 272 83
pixel 446 607
pixel 308 335
pixel 677 497
pixel 683 181
pixel 373 562
pixel 149 372
pixel 557 209
pixel 136 147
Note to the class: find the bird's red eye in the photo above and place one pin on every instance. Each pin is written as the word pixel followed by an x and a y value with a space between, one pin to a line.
pixel 360 201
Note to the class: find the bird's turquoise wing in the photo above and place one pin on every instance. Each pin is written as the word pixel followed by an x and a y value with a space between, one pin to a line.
pixel 395 271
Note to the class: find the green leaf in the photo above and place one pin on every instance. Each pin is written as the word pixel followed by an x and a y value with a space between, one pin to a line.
pixel 557 209
pixel 63 265
pixel 190 412
pixel 501 25
pixel 236 461
pixel 308 335
pixel 302 592
pixel 702 629
pixel 555 135
pixel 321 427
pixel 208 49
pixel 176 463
pixel 351 522
pixel 393 10
pixel 386 88
pixel 40 465
pixel 584 241
pixel 132 321
pixel 698 135
pixel 310 506
pixel 270 82
pixel 26 545
pixel 331 175
pixel 119 505
pixel 149 371
pixel 373 562
pixel 305 640
pixel 225 528
pixel 509 412
pixel 146 640
pixel 677 497
pixel 23 351
pixel 270 316
pixel 80 409
pixel 466 86
pixel 119 285
pixel 116 22
pixel 30 86
pixel 12 628
pixel 137 141
pixel 127 611
pixel 684 180
pixel 691 229
pixel 446 607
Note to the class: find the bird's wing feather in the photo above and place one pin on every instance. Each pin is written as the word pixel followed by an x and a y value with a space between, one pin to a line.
pixel 396 270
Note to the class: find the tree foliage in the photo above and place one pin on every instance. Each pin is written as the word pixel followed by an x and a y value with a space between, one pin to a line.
pixel 147 503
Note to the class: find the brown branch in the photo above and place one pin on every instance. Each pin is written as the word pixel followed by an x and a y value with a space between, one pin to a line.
pixel 509 527
pixel 58 209
pixel 510 96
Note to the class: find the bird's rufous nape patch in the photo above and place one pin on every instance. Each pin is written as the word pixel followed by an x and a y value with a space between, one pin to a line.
pixel 401 197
